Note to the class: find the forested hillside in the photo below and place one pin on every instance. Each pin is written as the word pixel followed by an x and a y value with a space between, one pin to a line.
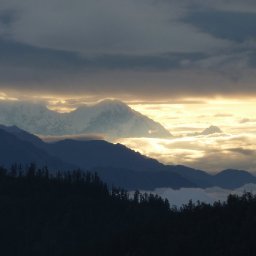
pixel 75 213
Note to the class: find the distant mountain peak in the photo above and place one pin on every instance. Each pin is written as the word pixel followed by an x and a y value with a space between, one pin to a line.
pixel 113 118
pixel 113 105
pixel 113 102
pixel 211 130
pixel 234 172
pixel 106 103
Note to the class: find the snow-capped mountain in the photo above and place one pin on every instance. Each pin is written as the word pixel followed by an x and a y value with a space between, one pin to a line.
pixel 109 117
pixel 32 117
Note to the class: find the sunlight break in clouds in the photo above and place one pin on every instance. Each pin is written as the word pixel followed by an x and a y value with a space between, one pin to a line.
pixel 185 119
pixel 234 148
pixel 4 96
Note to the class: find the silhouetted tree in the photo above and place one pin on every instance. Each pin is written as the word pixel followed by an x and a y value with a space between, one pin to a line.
pixel 75 213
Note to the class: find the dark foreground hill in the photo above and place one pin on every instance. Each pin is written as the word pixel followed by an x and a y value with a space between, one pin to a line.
pixel 76 214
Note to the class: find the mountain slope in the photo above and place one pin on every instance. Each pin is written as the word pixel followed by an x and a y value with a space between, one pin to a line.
pixel 116 164
pixel 13 150
pixel 23 135
pixel 110 117
pixel 113 162
pixel 148 180
pixel 99 153
pixel 232 179
pixel 200 178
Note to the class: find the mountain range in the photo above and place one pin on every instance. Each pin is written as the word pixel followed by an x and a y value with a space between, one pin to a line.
pixel 111 118
pixel 115 163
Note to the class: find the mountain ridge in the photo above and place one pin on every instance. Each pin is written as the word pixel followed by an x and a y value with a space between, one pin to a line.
pixel 14 150
pixel 117 164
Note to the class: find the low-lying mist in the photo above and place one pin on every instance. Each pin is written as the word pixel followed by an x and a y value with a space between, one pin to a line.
pixel 208 195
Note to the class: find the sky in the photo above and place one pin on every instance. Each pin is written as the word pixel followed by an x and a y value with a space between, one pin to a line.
pixel 234 148
pixel 186 64
pixel 128 49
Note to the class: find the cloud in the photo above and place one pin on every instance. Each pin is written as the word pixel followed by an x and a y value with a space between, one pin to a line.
pixel 209 153
pixel 247 120
pixel 216 160
pixel 144 49
pixel 234 26
pixel 246 152
pixel 80 137
pixel 100 26
pixel 223 115
pixel 209 195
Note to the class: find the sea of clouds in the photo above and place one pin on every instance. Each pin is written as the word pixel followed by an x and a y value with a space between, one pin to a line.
pixel 208 195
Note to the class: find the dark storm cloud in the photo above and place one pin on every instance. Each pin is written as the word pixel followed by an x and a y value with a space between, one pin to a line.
pixel 252 59
pixel 138 48
pixel 7 17
pixel 14 53
pixel 235 26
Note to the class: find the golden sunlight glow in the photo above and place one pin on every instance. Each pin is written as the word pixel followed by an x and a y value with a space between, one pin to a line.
pixel 234 148
pixel 4 96
pixel 61 109
pixel 179 119
pixel 186 119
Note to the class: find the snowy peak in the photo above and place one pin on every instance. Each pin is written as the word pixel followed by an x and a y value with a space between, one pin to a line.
pixel 112 118
pixel 116 119
pixel 112 105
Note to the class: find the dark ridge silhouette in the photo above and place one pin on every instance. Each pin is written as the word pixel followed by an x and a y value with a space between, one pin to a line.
pixel 233 178
pixel 12 149
pixel 115 163
pixel 99 153
pixel 75 213
pixel 23 135
pixel 148 180
pixel 198 177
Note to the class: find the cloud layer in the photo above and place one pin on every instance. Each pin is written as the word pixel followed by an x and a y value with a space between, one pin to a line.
pixel 234 148
pixel 128 48
pixel 209 195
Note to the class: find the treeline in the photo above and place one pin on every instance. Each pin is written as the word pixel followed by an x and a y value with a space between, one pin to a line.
pixel 75 213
